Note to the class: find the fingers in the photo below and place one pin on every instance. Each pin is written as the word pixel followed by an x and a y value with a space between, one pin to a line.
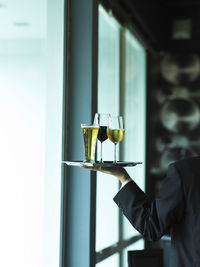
pixel 118 172
pixel 99 168
pixel 91 168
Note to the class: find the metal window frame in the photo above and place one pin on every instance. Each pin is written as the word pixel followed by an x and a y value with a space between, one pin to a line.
pixel 71 202
pixel 80 101
pixel 116 248
pixel 121 244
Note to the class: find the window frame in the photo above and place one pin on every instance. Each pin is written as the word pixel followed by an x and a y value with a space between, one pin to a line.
pixel 73 188
pixel 122 243
pixel 78 186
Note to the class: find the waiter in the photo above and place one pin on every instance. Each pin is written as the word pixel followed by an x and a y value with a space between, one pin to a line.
pixel 177 210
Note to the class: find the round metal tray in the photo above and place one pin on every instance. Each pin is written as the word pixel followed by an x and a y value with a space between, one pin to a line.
pixel 102 164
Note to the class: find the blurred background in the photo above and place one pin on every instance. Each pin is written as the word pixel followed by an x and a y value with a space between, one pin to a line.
pixel 60 63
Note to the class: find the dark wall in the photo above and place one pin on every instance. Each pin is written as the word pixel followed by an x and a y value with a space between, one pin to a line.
pixel 173 87
pixel 173 119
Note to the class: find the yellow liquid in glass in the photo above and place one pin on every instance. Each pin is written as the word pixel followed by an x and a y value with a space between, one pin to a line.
pixel 116 135
pixel 90 139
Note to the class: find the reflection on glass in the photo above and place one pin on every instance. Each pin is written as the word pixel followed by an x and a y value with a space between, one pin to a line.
pixel 102 120
pixel 90 133
pixel 116 132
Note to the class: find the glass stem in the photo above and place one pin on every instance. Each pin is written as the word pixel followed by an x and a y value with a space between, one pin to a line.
pixel 115 153
pixel 101 160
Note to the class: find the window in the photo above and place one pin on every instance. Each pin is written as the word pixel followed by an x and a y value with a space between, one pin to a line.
pixel 134 109
pixel 108 102
pixel 121 90
pixel 31 65
pixel 94 231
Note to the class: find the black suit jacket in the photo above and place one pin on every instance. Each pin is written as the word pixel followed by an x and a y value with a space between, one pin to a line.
pixel 176 210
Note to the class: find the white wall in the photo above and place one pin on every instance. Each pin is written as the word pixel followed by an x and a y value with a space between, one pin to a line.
pixel 30 144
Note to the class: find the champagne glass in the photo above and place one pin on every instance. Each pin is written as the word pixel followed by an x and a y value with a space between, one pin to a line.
pixel 102 120
pixel 116 132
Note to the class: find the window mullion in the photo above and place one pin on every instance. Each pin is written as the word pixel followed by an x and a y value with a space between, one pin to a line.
pixel 121 105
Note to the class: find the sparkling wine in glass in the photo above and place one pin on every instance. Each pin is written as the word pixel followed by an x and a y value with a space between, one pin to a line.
pixel 102 120
pixel 116 131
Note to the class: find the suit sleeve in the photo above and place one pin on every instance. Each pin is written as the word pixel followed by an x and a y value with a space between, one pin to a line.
pixel 153 218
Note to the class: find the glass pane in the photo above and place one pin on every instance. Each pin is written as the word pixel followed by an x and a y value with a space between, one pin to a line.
pixel 108 102
pixel 30 136
pixel 134 113
pixel 109 262
pixel 136 246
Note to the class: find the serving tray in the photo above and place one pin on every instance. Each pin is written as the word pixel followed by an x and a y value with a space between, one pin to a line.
pixel 102 164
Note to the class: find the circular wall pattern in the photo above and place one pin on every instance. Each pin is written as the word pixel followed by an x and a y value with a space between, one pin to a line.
pixel 174 104
pixel 180 115
pixel 179 69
